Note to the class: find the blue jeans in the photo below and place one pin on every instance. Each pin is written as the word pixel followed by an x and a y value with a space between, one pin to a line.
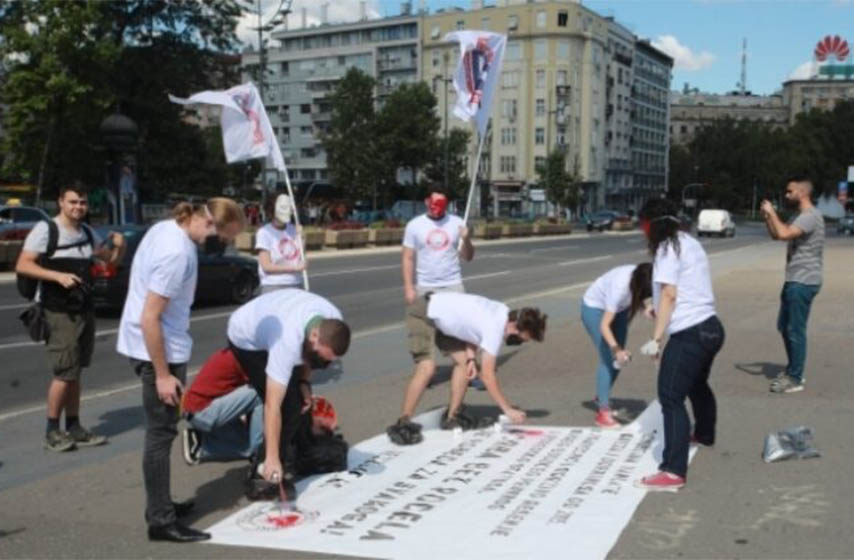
pixel 224 435
pixel 684 372
pixel 795 302
pixel 606 373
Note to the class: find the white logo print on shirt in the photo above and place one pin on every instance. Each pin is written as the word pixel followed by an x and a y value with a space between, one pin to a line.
pixel 437 240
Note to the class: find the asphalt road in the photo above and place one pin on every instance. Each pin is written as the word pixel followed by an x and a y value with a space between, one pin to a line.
pixel 367 288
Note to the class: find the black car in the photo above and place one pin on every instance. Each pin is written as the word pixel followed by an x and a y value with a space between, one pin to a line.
pixel 227 277
pixel 602 220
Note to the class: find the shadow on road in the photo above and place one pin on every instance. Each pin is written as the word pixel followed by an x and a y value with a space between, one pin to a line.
pixel 443 372
pixel 769 370
pixel 4 533
pixel 115 422
pixel 223 493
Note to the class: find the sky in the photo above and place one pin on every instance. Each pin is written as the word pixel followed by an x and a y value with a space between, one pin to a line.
pixel 703 36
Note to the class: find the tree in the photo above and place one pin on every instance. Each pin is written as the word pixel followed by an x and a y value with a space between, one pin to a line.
pixel 353 157
pixel 560 185
pixel 407 128
pixel 71 62
pixel 458 174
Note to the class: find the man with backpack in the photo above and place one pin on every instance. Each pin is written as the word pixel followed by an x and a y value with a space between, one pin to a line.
pixel 54 269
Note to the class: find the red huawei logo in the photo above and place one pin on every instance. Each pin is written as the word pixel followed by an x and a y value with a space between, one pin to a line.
pixel 437 239
pixel 831 46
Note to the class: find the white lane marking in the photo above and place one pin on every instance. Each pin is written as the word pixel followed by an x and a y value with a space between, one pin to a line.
pixel 489 275
pixel 353 270
pixel 14 306
pixel 108 332
pixel 581 261
pixel 554 249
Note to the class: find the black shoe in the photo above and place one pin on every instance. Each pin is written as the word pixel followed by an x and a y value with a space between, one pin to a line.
pixel 405 432
pixel 459 420
pixel 183 508
pixel 175 532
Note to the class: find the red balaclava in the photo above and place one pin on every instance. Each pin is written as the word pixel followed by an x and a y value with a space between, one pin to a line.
pixel 436 205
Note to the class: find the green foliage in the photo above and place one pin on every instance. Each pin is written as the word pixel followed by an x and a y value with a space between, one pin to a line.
pixel 561 186
pixel 458 174
pixel 70 63
pixel 729 157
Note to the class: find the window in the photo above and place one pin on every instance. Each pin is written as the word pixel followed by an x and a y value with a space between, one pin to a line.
pixel 541 18
pixel 507 164
pixel 540 107
pixel 286 135
pixel 285 113
pixel 539 136
pixel 283 68
pixel 307 152
pixel 508 108
pixel 540 78
pixel 540 49
pixel 484 23
pixel 508 136
pixel 562 49
pixel 509 79
pixel 461 25
pixel 305 130
pixel 562 18
pixel 305 108
pixel 539 162
pixel 435 32
pixel 560 78
pixel 514 51
pixel 513 22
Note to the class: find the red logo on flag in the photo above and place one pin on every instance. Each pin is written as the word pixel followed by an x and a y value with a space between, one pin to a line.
pixel 476 63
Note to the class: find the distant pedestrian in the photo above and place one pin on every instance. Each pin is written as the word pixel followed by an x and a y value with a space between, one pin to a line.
pixel 685 308
pixel 280 260
pixel 804 256
pixel 59 254
pixel 608 306
pixel 154 333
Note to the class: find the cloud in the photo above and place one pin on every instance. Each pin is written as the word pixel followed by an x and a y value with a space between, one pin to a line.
pixel 803 72
pixel 337 12
pixel 683 57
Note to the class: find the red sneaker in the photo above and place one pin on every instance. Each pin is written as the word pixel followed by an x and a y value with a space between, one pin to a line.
pixel 605 420
pixel 661 482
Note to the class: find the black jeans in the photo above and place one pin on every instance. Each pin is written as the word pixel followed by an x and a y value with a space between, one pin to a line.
pixel 254 363
pixel 684 372
pixel 161 421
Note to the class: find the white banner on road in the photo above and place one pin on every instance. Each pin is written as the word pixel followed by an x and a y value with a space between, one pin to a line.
pixel 523 492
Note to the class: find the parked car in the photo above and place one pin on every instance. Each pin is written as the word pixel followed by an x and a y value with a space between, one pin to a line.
pixel 602 220
pixel 18 220
pixel 846 224
pixel 227 277
pixel 715 222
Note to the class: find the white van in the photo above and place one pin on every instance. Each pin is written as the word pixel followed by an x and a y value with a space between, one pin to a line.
pixel 715 222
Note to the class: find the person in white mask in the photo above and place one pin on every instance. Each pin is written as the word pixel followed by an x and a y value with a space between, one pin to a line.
pixel 280 256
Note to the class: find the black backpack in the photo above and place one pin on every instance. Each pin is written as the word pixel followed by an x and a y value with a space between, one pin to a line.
pixel 27 285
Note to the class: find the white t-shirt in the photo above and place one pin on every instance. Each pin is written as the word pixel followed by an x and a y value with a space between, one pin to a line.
pixel 284 249
pixel 435 242
pixel 689 272
pixel 470 318
pixel 611 291
pixel 166 263
pixel 37 239
pixel 276 322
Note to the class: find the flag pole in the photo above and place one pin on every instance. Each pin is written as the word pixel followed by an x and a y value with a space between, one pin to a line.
pixel 299 229
pixel 473 178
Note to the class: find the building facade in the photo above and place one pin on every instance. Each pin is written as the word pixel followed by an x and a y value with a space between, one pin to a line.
pixel 569 82
pixel 690 111
pixel 802 96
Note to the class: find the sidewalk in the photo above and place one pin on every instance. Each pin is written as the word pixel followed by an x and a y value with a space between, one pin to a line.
pixel 734 504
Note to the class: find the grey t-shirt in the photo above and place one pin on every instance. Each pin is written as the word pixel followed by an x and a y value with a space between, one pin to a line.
pixel 36 241
pixel 804 254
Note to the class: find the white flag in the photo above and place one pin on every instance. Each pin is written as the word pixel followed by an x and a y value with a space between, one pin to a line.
pixel 246 129
pixel 481 55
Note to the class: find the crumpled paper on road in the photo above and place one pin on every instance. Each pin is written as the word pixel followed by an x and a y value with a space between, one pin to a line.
pixel 795 441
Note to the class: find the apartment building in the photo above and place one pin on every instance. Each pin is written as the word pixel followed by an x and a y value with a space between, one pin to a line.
pixel 802 96
pixel 650 116
pixel 690 111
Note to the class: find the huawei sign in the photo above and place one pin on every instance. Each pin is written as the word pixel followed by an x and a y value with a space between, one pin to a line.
pixel 830 47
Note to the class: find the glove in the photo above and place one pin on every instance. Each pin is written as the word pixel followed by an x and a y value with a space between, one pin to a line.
pixel 651 348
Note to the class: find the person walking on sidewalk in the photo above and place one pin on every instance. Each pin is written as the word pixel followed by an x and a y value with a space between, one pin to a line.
pixel 278 338
pixel 685 308
pixel 430 261
pixel 607 307
pixel 464 324
pixel 225 413
pixel 154 334
pixel 59 254
pixel 280 261
pixel 804 255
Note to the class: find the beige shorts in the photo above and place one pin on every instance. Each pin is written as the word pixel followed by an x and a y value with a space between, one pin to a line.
pixel 423 335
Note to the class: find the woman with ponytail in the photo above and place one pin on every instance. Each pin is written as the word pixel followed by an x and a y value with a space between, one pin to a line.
pixel 154 334
pixel 685 309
